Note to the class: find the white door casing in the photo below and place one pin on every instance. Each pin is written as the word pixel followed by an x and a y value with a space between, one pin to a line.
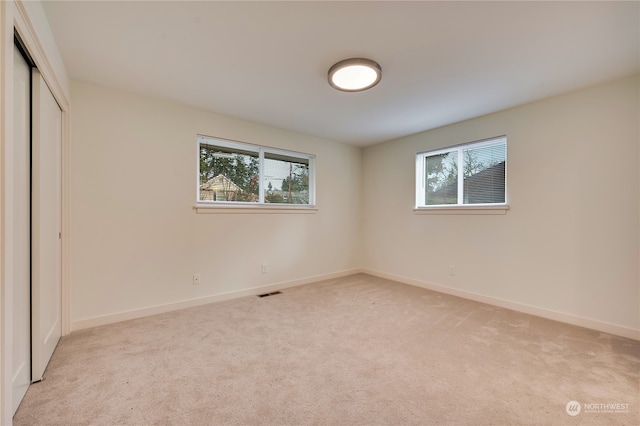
pixel 46 226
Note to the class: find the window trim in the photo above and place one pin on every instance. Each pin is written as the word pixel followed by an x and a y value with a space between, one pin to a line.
pixel 260 206
pixel 252 209
pixel 480 208
pixel 467 209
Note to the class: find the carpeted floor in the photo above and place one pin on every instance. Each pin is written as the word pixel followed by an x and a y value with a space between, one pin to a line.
pixel 352 351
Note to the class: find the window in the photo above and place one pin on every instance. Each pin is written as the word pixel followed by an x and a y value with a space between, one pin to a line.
pixel 238 174
pixel 469 174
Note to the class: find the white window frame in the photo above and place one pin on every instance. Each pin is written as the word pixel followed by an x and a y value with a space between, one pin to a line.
pixel 260 205
pixel 460 208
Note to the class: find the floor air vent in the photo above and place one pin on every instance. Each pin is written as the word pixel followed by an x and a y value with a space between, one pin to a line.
pixel 270 294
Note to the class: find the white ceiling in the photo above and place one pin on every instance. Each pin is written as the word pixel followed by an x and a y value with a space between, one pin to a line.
pixel 264 61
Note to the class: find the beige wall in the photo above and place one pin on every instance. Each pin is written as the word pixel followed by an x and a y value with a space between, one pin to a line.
pixel 136 240
pixel 570 242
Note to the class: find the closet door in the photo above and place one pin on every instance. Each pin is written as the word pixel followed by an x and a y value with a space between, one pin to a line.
pixel 46 226
pixel 18 233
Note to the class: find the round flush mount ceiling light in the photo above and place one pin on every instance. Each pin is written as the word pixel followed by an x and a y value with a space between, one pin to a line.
pixel 355 74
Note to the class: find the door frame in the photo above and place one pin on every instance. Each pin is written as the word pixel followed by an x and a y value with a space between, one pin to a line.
pixel 29 21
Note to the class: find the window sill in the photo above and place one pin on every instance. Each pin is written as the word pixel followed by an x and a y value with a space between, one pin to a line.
pixel 253 209
pixel 463 210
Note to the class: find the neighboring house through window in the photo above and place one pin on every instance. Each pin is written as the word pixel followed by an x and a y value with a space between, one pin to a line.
pixel 221 188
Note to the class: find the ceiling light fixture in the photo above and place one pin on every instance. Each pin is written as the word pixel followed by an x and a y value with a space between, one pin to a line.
pixel 355 75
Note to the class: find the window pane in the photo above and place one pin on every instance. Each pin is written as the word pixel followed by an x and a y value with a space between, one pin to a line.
pixel 441 179
pixel 228 174
pixel 286 179
pixel 484 174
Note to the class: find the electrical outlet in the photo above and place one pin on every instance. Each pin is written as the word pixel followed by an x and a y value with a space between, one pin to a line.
pixel 196 279
pixel 452 270
pixel 265 268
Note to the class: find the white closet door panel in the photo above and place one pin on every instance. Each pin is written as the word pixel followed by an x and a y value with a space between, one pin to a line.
pixel 18 235
pixel 46 226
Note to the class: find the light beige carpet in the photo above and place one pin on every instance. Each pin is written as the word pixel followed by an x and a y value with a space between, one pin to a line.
pixel 353 351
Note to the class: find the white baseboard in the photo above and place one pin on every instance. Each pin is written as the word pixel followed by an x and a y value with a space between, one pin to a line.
pixel 515 306
pixel 168 307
